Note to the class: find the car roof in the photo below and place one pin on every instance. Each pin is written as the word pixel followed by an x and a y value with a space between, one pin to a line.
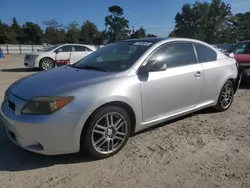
pixel 86 45
pixel 244 41
pixel 155 40
pixel 147 39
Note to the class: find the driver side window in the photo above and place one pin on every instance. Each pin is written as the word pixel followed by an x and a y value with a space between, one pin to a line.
pixel 175 54
pixel 240 49
pixel 67 48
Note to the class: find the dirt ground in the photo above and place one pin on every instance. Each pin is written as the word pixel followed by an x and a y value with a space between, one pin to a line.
pixel 203 150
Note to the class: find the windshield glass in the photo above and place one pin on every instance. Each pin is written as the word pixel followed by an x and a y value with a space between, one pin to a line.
pixel 115 57
pixel 50 48
pixel 241 48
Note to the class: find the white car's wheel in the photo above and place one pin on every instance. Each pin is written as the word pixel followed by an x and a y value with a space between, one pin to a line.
pixel 46 64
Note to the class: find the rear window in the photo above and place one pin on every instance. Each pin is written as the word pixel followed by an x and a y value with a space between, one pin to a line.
pixel 205 54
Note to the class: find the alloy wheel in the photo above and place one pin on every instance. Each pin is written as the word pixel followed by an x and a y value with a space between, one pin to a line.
pixel 47 64
pixel 226 97
pixel 109 133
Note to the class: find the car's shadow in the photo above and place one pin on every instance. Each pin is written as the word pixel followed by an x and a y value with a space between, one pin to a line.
pixel 20 70
pixel 13 158
pixel 204 111
pixel 245 85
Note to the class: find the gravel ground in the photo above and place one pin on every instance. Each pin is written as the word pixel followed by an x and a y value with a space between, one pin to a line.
pixel 203 150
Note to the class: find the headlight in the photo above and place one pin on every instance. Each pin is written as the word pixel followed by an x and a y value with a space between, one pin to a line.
pixel 34 56
pixel 45 105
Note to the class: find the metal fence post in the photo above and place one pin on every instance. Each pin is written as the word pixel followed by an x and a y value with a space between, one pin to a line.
pixel 20 49
pixel 7 49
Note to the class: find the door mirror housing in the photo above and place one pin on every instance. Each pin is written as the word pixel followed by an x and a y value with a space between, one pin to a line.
pixel 231 55
pixel 58 50
pixel 153 66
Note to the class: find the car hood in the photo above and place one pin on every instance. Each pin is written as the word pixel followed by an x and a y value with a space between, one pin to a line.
pixel 56 81
pixel 35 53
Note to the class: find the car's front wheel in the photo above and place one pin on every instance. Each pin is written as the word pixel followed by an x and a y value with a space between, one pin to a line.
pixel 107 132
pixel 226 96
pixel 46 64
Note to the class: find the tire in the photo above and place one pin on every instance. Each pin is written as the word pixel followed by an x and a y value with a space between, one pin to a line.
pixel 226 95
pixel 46 64
pixel 98 138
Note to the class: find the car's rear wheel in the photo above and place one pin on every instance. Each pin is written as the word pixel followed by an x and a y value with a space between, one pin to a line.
pixel 46 64
pixel 226 97
pixel 107 132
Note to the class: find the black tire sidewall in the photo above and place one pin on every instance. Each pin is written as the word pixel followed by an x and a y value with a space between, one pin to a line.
pixel 218 106
pixel 86 144
pixel 42 60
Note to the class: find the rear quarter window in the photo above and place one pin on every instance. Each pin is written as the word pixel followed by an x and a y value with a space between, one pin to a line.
pixel 204 53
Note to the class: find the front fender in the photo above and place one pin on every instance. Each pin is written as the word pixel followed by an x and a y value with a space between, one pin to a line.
pixel 92 107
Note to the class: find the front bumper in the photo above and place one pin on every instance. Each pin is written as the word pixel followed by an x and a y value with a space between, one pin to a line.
pixel 30 63
pixel 44 134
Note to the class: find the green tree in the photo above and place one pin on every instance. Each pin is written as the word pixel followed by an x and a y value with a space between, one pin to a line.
pixel 117 26
pixel 241 23
pixel 54 32
pixel 54 36
pixel 4 33
pixel 32 33
pixel 140 33
pixel 53 23
pixel 204 21
pixel 151 35
pixel 73 31
pixel 90 34
pixel 17 31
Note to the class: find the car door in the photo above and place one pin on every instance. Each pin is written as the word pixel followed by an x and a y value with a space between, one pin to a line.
pixel 63 54
pixel 242 53
pixel 80 52
pixel 176 89
pixel 215 71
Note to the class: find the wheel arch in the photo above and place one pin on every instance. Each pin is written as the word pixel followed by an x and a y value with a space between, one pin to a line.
pixel 120 104
pixel 46 57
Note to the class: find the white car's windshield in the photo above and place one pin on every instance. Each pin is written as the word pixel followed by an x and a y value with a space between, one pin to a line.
pixel 115 57
pixel 50 48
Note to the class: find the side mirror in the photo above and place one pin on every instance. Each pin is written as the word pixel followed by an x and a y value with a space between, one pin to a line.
pixel 153 66
pixel 231 55
pixel 58 50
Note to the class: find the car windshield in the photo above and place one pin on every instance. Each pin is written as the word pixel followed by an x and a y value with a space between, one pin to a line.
pixel 240 48
pixel 115 57
pixel 50 48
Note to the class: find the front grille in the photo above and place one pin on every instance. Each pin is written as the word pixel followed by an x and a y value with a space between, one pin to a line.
pixel 11 105
pixel 27 57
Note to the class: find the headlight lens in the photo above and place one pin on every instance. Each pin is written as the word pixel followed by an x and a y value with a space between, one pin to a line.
pixel 34 56
pixel 45 105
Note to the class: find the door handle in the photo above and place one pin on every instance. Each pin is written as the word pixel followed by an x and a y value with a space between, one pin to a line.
pixel 198 74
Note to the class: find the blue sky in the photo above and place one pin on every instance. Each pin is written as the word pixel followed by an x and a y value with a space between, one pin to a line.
pixel 156 16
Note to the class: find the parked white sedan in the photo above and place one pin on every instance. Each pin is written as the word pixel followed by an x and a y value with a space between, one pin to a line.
pixel 57 55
